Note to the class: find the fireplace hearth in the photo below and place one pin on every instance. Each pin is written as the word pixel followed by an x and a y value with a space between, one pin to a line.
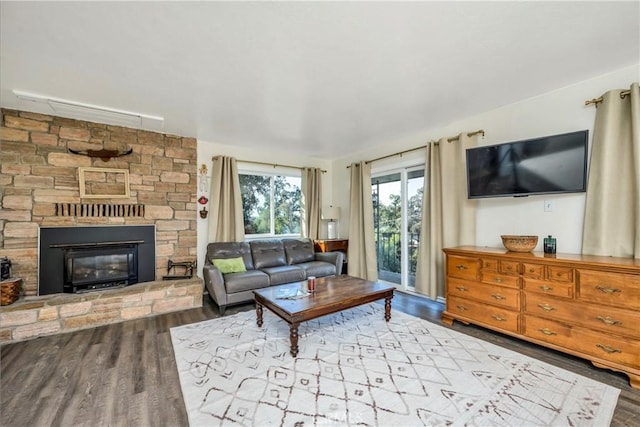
pixel 83 259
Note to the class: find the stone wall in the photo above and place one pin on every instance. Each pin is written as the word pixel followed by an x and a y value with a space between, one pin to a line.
pixel 38 172
pixel 39 316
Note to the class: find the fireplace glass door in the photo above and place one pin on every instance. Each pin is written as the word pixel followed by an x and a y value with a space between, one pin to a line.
pixel 100 267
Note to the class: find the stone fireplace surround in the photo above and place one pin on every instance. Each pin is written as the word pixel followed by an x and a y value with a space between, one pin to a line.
pixel 40 188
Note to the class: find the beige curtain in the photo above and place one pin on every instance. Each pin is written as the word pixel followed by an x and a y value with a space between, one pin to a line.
pixel 612 212
pixel 311 200
pixel 362 250
pixel 226 221
pixel 448 216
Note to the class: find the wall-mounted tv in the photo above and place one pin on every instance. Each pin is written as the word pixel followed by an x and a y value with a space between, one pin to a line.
pixel 551 164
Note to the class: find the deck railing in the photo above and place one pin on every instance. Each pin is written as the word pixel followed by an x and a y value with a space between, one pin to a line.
pixel 388 249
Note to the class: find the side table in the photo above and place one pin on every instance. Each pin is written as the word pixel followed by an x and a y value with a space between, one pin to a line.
pixel 332 245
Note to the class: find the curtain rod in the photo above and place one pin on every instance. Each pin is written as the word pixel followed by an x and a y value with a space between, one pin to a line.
pixel 598 100
pixel 275 165
pixel 400 153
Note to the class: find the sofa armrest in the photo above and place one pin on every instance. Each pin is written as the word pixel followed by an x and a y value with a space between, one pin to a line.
pixel 214 282
pixel 336 258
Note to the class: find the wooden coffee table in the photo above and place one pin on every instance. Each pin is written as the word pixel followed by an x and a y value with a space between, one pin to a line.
pixel 333 294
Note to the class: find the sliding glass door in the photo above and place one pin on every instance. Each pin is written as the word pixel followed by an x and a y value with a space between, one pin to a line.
pixel 397 210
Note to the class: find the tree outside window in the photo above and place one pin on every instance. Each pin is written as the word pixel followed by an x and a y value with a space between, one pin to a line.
pixel 261 216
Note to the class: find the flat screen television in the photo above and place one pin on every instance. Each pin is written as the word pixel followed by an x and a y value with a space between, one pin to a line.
pixel 551 164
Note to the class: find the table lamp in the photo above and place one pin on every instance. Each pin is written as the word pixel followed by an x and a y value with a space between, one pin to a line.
pixel 331 214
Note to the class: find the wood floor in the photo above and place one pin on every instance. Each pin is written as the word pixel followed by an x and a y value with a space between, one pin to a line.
pixel 125 374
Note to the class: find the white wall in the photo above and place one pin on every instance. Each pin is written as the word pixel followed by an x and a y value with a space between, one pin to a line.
pixel 206 150
pixel 559 111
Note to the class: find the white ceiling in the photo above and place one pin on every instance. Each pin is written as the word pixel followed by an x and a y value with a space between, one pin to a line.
pixel 321 79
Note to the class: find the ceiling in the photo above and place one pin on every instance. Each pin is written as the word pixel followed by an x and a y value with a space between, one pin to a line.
pixel 321 79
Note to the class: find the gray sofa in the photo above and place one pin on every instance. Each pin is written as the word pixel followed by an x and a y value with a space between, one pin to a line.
pixel 267 263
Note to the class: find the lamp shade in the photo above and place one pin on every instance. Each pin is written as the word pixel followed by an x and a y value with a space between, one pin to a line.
pixel 331 213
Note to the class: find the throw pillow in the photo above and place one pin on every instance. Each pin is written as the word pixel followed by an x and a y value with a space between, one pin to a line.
pixel 229 265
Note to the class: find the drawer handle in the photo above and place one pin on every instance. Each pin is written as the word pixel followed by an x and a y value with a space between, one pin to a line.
pixel 461 267
pixel 498 280
pixel 498 318
pixel 608 290
pixel 608 349
pixel 546 288
pixel 532 270
pixel 498 297
pixel 509 267
pixel 461 307
pixel 609 321
pixel 461 288
pixel 546 307
pixel 546 331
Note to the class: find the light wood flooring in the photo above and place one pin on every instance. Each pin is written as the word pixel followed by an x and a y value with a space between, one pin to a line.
pixel 125 374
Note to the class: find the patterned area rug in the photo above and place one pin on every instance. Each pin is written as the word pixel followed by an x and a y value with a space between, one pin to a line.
pixel 356 369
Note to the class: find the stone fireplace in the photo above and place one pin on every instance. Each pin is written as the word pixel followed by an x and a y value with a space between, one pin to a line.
pixel 40 188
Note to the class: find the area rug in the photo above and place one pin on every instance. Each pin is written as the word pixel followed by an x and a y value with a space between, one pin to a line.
pixel 354 368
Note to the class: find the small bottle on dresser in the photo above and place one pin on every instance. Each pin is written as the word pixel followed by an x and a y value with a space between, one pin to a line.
pixel 549 245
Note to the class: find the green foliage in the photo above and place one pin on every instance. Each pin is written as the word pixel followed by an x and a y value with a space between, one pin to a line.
pixel 287 206
pixel 256 202
pixel 387 226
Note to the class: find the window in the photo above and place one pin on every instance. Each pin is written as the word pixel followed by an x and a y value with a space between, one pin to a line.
pixel 271 203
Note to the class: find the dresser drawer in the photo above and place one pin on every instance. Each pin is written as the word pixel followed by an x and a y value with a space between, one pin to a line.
pixel 510 267
pixel 549 288
pixel 490 265
pixel 462 267
pixel 595 316
pixel 535 271
pixel 559 274
pixel 459 287
pixel 500 279
pixel 497 295
pixel 602 345
pixel 547 306
pixel 609 288
pixel 498 317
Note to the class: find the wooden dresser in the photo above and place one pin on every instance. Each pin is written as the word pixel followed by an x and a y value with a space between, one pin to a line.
pixel 588 306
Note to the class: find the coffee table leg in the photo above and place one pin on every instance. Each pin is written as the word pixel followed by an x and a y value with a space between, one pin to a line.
pixel 293 334
pixel 259 314
pixel 387 308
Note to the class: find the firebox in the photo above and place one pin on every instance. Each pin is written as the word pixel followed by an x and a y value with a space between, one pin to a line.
pixel 95 266
pixel 87 258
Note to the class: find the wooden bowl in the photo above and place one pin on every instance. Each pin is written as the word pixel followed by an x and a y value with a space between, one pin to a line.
pixel 519 243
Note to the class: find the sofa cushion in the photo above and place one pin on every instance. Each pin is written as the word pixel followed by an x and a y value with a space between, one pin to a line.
pixel 220 250
pixel 318 268
pixel 298 250
pixel 229 265
pixel 246 281
pixel 267 253
pixel 285 274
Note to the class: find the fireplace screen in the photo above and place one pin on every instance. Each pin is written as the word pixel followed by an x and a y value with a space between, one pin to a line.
pixel 91 268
